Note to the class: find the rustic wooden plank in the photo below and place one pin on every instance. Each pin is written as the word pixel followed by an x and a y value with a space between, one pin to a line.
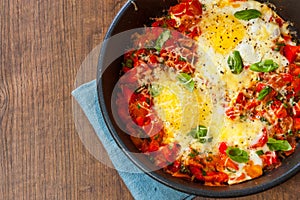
pixel 42 45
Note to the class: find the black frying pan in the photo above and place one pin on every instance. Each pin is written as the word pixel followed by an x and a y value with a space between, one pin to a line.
pixel 129 18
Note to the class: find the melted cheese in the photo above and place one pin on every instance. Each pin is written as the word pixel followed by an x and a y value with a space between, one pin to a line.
pixel 240 133
pixel 222 31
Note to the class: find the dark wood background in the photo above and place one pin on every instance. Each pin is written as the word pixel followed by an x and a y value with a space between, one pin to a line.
pixel 42 46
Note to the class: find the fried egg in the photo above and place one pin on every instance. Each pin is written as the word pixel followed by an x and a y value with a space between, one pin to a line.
pixel 180 109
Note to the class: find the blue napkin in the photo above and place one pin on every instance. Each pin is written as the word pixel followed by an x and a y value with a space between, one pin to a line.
pixel 139 184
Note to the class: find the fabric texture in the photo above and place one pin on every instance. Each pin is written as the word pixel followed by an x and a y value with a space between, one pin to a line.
pixel 139 184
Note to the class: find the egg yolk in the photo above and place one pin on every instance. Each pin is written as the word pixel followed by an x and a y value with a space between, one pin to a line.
pixel 222 31
pixel 169 108
pixel 181 110
pixel 239 132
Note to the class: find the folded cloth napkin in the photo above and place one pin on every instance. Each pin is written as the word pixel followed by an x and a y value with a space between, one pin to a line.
pixel 139 184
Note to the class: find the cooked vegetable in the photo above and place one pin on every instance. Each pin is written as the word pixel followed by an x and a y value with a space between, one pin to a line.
pixel 155 89
pixel 260 152
pixel 278 145
pixel 264 66
pixel 186 80
pixel 264 92
pixel 164 36
pixel 200 133
pixel 235 62
pixel 290 52
pixel 247 14
pixel 237 154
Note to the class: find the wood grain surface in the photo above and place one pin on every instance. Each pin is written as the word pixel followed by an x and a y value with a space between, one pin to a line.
pixel 42 46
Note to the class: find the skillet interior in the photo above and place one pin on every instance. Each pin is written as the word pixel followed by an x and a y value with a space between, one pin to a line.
pixel 127 19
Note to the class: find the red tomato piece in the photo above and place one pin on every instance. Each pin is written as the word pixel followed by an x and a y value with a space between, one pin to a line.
pixel 156 24
pixel 231 164
pixel 182 28
pixel 153 59
pixel 153 146
pixel 296 85
pixel 219 177
pixel 287 77
pixel 171 22
pixel 260 86
pixel 279 21
pixel 126 69
pixel 297 123
pixel 195 32
pixel 169 152
pixel 222 147
pixel 178 10
pixel 195 8
pixel 290 52
pixel 295 70
pixel 262 141
pixel 279 109
pixel 241 99
pixel 251 105
pixel 230 113
pixel 145 146
pixel 140 121
pixel 197 172
pixel 175 167
pixel 270 158
pixel 281 112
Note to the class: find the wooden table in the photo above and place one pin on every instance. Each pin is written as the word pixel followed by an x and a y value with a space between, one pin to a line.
pixel 43 44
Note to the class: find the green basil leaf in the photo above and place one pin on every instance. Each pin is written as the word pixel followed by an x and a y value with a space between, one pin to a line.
pixel 237 154
pixel 264 66
pixel 200 131
pixel 235 62
pixel 260 152
pixel 129 63
pixel 155 89
pixel 187 81
pixel 164 36
pixel 264 92
pixel 278 145
pixel 247 14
